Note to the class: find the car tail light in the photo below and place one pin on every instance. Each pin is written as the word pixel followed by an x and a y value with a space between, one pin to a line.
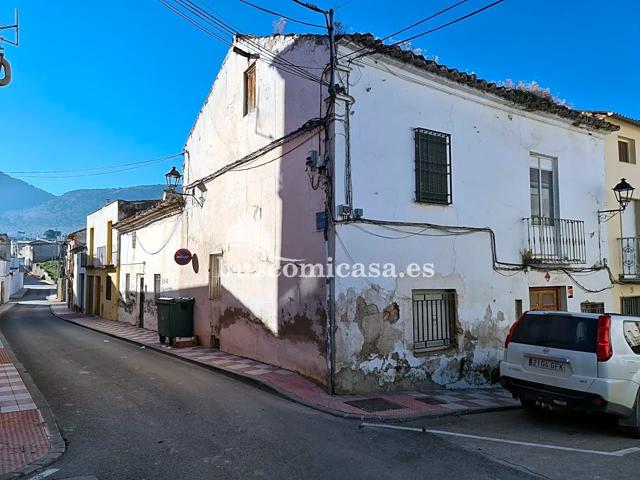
pixel 603 343
pixel 513 329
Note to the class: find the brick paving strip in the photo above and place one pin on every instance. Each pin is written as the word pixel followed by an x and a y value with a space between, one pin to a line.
pixel 397 406
pixel 29 436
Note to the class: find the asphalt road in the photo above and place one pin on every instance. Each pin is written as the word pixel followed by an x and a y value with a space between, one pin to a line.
pixel 131 413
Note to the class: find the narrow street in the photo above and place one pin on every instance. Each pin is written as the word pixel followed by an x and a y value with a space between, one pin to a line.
pixel 130 413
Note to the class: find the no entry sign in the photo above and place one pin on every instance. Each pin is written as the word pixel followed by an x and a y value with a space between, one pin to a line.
pixel 182 256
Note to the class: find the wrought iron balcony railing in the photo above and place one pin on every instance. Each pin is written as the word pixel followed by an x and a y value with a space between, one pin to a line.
pixel 102 259
pixel 556 240
pixel 630 256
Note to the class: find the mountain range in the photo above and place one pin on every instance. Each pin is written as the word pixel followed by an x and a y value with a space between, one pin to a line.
pixel 28 209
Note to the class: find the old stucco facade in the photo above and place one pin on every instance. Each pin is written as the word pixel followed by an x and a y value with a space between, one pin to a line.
pixel 256 206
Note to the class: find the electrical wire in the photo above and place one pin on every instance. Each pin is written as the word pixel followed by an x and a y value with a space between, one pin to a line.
pixel 106 167
pixel 266 10
pixel 196 24
pixel 95 174
pixel 225 28
pixel 413 25
pixel 452 22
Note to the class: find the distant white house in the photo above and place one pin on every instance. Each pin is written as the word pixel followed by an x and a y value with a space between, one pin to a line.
pixel 439 206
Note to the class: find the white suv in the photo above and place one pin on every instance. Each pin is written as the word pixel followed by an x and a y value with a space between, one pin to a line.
pixel 579 361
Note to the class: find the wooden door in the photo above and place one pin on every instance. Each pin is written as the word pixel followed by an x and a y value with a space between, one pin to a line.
pixel 98 295
pixel 544 298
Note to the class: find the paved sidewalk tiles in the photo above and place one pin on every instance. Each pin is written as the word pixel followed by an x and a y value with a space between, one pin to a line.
pixel 23 434
pixel 395 405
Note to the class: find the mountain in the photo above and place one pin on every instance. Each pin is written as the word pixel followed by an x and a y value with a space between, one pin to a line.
pixel 15 193
pixel 67 212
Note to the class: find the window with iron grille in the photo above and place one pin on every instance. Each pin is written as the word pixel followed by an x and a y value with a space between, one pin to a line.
pixel 592 307
pixel 215 267
pixel 156 285
pixel 433 166
pixel 108 287
pixel 434 317
pixel 630 306
pixel 127 285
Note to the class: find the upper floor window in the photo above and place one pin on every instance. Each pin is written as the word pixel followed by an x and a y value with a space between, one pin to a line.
pixel 433 166
pixel 542 187
pixel 250 89
pixel 626 150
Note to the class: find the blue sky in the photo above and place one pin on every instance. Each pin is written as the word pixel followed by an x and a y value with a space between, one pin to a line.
pixel 99 83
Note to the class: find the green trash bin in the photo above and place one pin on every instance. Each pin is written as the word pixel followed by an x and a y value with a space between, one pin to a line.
pixel 175 318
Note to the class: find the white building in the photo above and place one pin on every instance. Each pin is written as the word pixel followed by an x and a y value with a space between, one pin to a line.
pixel 496 190
pixel 75 271
pixel 11 270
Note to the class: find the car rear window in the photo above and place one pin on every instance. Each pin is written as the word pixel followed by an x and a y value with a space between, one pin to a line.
pixel 558 331
pixel 632 335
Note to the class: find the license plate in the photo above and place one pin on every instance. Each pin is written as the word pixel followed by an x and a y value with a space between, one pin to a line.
pixel 547 364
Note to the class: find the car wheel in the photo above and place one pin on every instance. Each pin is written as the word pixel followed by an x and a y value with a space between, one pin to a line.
pixel 631 424
pixel 529 405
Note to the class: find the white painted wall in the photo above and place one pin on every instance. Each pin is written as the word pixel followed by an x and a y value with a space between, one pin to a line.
pixel 255 217
pixel 150 253
pixel 491 147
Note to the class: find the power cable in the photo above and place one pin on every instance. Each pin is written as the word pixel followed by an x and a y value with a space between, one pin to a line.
pixel 95 174
pixel 224 27
pixel 106 167
pixel 266 10
pixel 452 22
pixel 196 24
pixel 413 25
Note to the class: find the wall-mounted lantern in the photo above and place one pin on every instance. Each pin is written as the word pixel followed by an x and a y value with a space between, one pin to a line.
pixel 623 192
pixel 173 180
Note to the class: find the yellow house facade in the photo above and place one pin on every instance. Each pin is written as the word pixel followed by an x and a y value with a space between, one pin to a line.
pixel 103 265
pixel 622 157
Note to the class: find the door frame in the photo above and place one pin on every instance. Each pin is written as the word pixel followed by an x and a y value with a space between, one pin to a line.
pixel 141 299
pixel 559 301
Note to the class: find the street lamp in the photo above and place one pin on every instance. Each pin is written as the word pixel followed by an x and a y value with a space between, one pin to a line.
pixel 173 178
pixel 623 192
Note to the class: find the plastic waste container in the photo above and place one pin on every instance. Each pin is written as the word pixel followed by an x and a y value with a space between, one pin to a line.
pixel 175 318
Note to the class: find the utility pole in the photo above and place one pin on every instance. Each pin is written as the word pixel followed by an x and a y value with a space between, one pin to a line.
pixel 330 235
pixel 5 66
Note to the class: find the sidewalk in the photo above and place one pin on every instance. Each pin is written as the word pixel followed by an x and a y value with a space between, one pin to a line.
pixel 26 445
pixel 395 406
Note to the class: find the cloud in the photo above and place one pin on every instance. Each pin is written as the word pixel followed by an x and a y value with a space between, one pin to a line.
pixel 279 26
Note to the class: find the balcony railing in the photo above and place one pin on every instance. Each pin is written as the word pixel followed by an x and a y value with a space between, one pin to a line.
pixel 630 255
pixel 100 260
pixel 556 240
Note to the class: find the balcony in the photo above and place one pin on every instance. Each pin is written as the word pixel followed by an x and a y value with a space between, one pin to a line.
pixel 556 241
pixel 630 258
pixel 100 260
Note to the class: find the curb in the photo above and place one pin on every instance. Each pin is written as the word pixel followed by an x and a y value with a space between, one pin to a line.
pixel 266 386
pixel 19 294
pixel 57 444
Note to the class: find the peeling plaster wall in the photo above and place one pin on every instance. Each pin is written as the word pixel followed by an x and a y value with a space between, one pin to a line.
pixel 258 218
pixel 149 254
pixel 491 143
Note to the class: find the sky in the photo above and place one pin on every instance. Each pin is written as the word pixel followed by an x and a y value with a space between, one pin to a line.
pixel 102 83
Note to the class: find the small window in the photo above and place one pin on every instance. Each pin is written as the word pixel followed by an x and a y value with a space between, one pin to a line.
pixel 632 335
pixel 134 239
pixel 626 150
pixel 250 89
pixel 127 285
pixel 215 264
pixel 433 167
pixel 434 314
pixel 630 306
pixel 592 307
pixel 108 286
pixel 156 286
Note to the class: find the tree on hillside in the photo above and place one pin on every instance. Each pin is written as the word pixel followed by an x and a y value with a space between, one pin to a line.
pixel 51 234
